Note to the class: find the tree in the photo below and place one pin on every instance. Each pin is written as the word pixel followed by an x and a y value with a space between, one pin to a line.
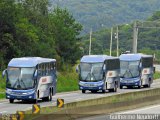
pixel 66 30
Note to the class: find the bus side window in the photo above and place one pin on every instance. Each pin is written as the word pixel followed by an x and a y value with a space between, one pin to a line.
pixel 47 68
pixel 39 70
pixel 43 69
pixel 55 66
pixel 52 68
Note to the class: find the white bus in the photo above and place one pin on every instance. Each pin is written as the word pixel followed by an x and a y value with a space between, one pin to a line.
pixel 30 78
pixel 99 72
pixel 136 70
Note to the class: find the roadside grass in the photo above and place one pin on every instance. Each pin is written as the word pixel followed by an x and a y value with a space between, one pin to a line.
pixel 67 82
pixel 156 75
pixel 2 83
pixel 2 95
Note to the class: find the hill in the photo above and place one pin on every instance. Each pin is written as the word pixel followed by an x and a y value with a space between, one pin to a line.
pixel 96 14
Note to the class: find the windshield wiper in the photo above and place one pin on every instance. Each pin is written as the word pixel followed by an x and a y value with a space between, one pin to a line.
pixel 87 76
pixel 93 76
pixel 23 83
pixel 16 83
pixel 131 73
pixel 124 74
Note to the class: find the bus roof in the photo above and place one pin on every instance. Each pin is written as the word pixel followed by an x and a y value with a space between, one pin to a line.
pixel 96 58
pixel 28 61
pixel 133 57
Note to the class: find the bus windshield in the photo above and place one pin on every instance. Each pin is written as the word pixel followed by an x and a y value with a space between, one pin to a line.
pixel 20 78
pixel 129 69
pixel 91 71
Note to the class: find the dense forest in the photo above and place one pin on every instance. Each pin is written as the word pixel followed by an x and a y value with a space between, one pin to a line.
pixel 97 14
pixel 28 28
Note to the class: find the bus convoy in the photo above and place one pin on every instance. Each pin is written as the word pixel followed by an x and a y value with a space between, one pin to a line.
pixel 34 78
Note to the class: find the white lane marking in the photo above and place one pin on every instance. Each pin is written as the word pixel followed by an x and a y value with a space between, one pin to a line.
pixel 141 109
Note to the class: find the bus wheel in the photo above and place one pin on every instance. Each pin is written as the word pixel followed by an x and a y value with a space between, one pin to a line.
pixel 103 91
pixel 35 101
pixel 149 85
pixel 50 96
pixel 11 100
pixel 115 88
pixel 83 91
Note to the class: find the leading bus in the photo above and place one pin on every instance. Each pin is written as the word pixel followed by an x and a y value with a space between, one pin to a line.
pixel 99 72
pixel 30 78
pixel 136 70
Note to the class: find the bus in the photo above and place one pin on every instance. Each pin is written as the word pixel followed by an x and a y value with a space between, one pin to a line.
pixel 99 72
pixel 30 78
pixel 136 70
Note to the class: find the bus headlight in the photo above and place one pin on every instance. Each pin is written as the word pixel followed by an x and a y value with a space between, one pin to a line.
pixel 8 91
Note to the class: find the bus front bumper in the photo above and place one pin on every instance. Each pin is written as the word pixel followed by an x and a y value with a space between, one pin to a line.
pixel 20 94
pixel 130 82
pixel 91 85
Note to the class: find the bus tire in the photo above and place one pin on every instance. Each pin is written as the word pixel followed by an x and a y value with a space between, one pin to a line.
pixel 115 87
pixel 103 91
pixel 121 87
pixel 11 100
pixel 35 101
pixel 83 91
pixel 149 83
pixel 50 96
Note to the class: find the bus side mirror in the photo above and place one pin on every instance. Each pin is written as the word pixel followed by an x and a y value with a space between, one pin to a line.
pixel 4 73
pixel 35 74
pixel 77 69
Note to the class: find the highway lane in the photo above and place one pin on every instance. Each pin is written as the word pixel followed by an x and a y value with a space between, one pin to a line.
pixel 149 111
pixel 154 109
pixel 6 107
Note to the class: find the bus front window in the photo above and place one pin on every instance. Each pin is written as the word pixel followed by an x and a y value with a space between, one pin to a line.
pixel 91 71
pixel 129 69
pixel 20 78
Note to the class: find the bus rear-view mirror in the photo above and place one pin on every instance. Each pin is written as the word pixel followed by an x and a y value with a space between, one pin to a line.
pixel 77 69
pixel 4 73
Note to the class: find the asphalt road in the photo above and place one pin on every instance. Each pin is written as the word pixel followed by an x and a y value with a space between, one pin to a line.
pixel 151 112
pixel 6 107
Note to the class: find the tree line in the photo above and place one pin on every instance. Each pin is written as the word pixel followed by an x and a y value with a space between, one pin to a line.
pixel 148 39
pixel 31 28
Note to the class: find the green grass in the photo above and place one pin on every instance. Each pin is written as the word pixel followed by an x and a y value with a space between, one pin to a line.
pixel 67 82
pixel 156 75
pixel 2 95
pixel 2 83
